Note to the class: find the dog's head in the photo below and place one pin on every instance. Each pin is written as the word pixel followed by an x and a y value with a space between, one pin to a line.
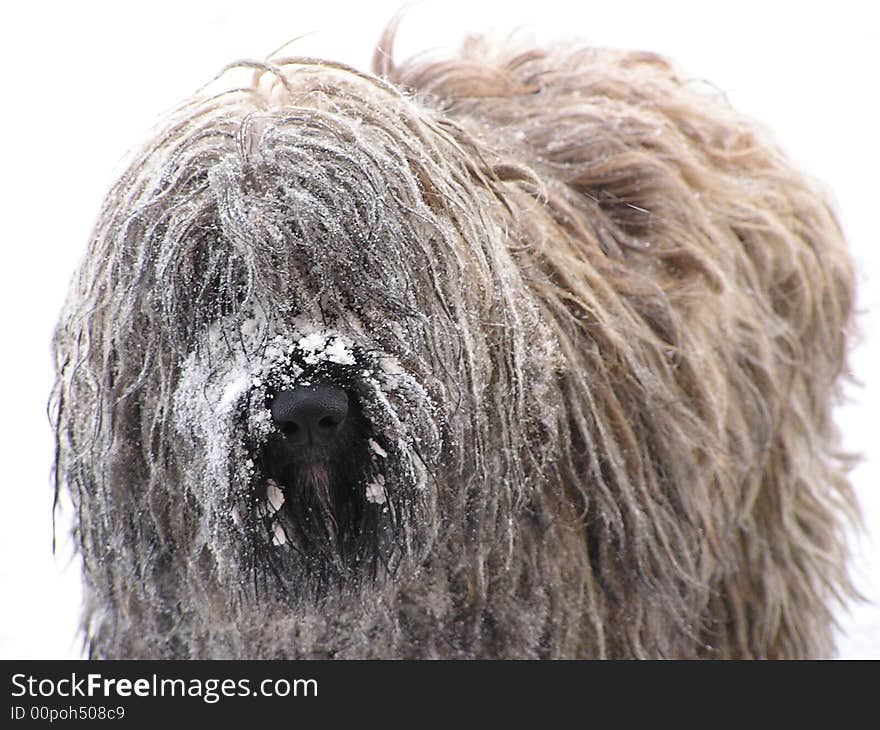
pixel 299 356
pixel 326 275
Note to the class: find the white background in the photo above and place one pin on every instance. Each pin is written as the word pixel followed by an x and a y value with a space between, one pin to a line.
pixel 83 81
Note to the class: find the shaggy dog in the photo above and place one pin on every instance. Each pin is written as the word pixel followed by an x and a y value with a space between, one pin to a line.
pixel 524 353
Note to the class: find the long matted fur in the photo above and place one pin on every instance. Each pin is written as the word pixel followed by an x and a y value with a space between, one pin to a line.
pixel 593 322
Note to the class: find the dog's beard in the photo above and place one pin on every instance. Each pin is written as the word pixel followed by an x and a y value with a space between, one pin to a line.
pixel 316 504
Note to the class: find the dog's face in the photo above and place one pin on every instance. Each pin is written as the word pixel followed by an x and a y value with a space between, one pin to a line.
pixel 332 379
pixel 314 342
pixel 308 382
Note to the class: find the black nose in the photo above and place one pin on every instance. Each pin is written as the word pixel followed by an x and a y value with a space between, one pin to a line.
pixel 310 415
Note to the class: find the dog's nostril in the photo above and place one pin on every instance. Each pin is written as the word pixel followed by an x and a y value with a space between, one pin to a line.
pixel 310 414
